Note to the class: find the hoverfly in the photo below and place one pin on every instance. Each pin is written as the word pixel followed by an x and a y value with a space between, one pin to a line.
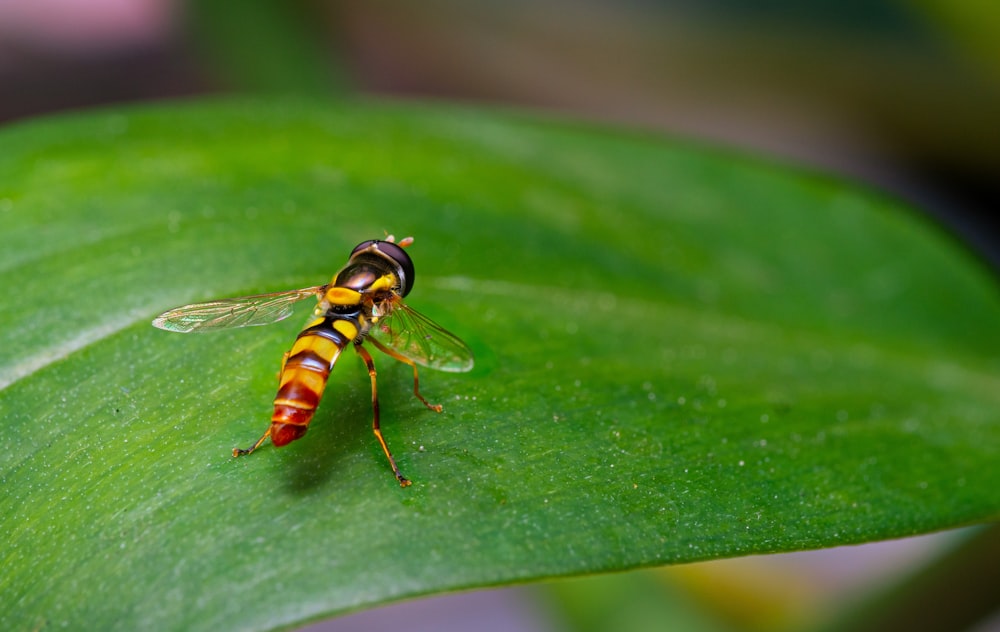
pixel 363 303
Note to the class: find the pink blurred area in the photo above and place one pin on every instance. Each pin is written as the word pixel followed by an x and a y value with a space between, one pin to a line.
pixel 58 55
pixel 84 27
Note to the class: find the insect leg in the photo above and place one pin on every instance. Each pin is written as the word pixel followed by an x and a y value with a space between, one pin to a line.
pixel 416 380
pixel 246 451
pixel 284 359
pixel 367 357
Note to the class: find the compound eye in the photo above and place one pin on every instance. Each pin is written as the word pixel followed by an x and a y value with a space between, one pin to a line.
pixel 391 251
pixel 395 252
pixel 362 246
pixel 402 259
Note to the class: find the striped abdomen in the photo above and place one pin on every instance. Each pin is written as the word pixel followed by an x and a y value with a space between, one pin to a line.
pixel 304 375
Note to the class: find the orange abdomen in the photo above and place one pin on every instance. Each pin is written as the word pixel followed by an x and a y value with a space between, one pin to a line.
pixel 303 380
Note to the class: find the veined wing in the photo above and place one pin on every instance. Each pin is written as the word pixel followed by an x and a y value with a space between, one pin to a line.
pixel 230 313
pixel 418 338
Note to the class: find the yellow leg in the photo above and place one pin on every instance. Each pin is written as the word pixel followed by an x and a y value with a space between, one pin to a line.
pixel 245 451
pixel 416 380
pixel 284 359
pixel 403 481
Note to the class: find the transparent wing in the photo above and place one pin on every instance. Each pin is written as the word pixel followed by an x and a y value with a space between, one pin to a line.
pixel 230 313
pixel 418 338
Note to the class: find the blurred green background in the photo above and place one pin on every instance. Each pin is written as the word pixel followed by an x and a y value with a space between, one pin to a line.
pixel 902 95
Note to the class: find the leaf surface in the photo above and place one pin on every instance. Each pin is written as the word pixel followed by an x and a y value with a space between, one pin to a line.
pixel 681 354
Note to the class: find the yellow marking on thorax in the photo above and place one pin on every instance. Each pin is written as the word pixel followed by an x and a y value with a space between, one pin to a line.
pixel 383 283
pixel 347 328
pixel 343 296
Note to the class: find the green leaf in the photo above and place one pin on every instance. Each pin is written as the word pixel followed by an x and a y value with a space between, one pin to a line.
pixel 682 354
pixel 267 47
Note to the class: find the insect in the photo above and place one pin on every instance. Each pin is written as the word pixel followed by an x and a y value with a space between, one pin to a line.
pixel 362 304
